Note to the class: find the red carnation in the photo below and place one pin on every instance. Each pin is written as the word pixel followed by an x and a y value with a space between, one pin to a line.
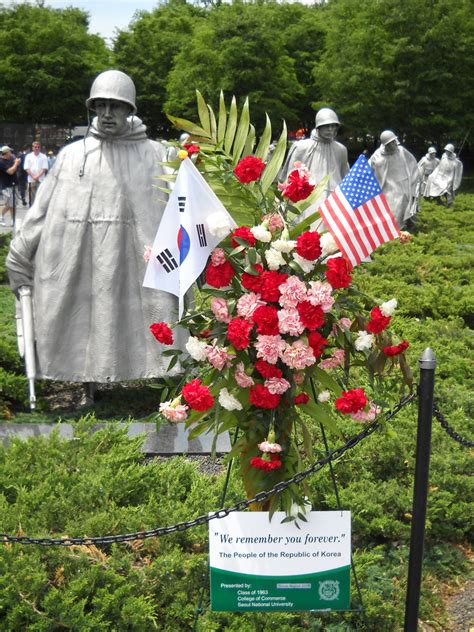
pixel 253 282
pixel 263 464
pixel 297 187
pixel 270 287
pixel 378 322
pixel 308 245
pixel 197 395
pixel 266 319
pixel 162 333
pixel 312 316
pixel 219 276
pixel 302 398
pixel 261 397
pixel 351 401
pixel 238 332
pixel 243 232
pixel 317 343
pixel 249 169
pixel 396 349
pixel 192 149
pixel 267 370
pixel 338 272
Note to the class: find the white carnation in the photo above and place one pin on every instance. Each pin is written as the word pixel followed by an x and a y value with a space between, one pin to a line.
pixel 228 401
pixel 219 224
pixel 364 341
pixel 389 307
pixel 196 348
pixel 324 396
pixel 274 259
pixel 304 264
pixel 284 245
pixel 328 244
pixel 261 233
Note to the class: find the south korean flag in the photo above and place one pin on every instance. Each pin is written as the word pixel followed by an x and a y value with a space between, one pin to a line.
pixel 184 239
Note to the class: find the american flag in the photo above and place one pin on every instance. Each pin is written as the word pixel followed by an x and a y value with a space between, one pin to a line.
pixel 357 214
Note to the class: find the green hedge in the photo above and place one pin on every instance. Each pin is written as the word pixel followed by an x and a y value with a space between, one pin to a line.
pixel 101 483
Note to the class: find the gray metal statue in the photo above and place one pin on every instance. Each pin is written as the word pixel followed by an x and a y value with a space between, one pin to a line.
pixel 321 153
pixel 80 249
pixel 396 170
pixel 426 166
pixel 446 178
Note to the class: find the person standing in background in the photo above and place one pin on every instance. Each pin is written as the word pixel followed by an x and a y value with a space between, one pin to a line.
pixel 36 166
pixel 22 175
pixel 8 167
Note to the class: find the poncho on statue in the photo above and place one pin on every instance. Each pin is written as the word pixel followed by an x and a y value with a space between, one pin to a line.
pixel 398 175
pixel 323 158
pixel 81 248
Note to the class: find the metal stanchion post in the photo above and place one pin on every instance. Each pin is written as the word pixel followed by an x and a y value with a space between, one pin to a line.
pixel 420 491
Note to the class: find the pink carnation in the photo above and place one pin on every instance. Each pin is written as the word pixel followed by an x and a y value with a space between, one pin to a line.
pixel 173 412
pixel 275 222
pixel 220 310
pixel 334 361
pixel 369 415
pixel 272 448
pixel 344 323
pixel 217 256
pixel 277 385
pixel 321 294
pixel 269 348
pixel 242 379
pixel 218 356
pixel 293 291
pixel 289 322
pixel 298 355
pixel 299 378
pixel 247 304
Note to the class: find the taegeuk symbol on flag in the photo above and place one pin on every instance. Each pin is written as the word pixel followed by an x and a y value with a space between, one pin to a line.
pixel 187 234
pixel 357 214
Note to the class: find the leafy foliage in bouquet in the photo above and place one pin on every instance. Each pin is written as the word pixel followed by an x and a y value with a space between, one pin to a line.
pixel 281 336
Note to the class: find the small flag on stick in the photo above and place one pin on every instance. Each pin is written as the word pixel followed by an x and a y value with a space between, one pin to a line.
pixel 357 214
pixel 185 239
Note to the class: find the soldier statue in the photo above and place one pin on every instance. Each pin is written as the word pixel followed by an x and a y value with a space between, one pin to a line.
pixel 426 166
pixel 321 154
pixel 80 248
pixel 396 170
pixel 446 178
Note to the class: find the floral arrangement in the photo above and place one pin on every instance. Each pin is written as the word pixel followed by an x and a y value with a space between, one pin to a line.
pixel 281 335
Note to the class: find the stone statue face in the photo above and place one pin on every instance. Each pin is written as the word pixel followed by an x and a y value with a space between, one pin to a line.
pixel 112 116
pixel 391 147
pixel 328 132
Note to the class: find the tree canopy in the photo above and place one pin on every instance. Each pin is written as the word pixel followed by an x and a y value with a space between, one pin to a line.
pixel 47 63
pixel 380 63
pixel 401 65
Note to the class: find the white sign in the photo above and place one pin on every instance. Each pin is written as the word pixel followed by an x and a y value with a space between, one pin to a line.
pixel 260 565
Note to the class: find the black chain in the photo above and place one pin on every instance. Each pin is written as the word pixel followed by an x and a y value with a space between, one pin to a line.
pixel 221 513
pixel 452 433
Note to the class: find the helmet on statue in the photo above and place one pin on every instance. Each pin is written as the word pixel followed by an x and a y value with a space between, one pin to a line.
pixel 326 116
pixel 431 150
pixel 387 137
pixel 449 147
pixel 113 84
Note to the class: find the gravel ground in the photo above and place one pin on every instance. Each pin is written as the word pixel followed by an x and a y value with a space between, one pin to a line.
pixel 461 609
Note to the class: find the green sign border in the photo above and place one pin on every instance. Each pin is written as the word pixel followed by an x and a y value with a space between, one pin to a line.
pixel 326 590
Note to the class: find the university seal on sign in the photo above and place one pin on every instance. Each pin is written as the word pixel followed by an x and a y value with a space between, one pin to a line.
pixel 329 590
